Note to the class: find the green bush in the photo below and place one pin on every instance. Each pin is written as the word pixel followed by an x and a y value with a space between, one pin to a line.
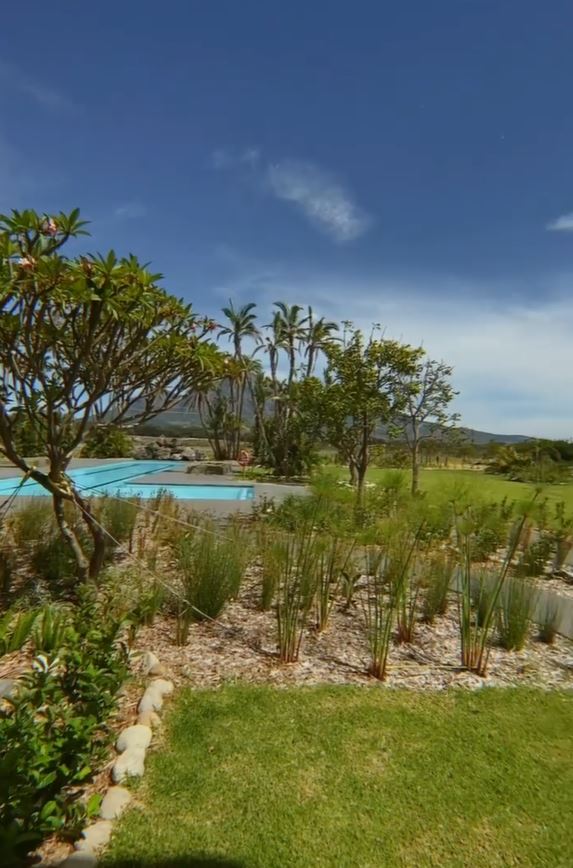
pixel 53 561
pixel 107 442
pixel 15 630
pixel 53 736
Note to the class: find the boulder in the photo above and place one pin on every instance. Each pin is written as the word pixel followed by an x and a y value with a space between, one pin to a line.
pixel 95 837
pixel 149 718
pixel 149 662
pixel 130 764
pixel 114 802
pixel 79 859
pixel 7 688
pixel 152 699
pixel 162 686
pixel 136 736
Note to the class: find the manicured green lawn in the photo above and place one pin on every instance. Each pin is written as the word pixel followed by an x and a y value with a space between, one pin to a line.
pixel 356 777
pixel 484 485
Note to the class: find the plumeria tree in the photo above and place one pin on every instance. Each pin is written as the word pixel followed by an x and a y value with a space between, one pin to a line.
pixel 85 340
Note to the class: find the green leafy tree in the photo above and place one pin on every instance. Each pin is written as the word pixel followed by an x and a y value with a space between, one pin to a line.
pixel 84 340
pixel 107 441
pixel 362 391
pixel 425 395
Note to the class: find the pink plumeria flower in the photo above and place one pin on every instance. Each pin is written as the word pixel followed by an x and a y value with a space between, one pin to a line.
pixel 49 227
pixel 26 262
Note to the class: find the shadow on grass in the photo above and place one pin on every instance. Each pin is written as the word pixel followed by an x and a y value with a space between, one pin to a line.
pixel 179 862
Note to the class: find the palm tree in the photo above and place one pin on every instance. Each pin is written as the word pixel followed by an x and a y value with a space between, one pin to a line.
pixel 289 329
pixel 242 325
pixel 318 336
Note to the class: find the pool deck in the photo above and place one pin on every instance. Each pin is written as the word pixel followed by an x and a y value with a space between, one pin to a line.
pixel 263 491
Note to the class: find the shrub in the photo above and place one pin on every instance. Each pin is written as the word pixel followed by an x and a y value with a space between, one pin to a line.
pixel 379 611
pixel 475 631
pixel 404 581
pixel 7 567
pixel 269 568
pixel 535 557
pixel 107 442
pixel 53 561
pixel 49 631
pixel 15 630
pixel 53 736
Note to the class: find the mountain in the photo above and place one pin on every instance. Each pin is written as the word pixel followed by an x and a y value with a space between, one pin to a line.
pixel 190 419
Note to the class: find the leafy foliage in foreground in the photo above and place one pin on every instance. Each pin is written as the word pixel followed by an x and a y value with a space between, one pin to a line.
pixel 53 734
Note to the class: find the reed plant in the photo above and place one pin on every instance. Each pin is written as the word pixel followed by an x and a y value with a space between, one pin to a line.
pixel 475 633
pixel 333 561
pixel 297 558
pixel 379 607
pixel 211 566
pixel 118 515
pixel 514 616
pixel 439 576
pixel 548 620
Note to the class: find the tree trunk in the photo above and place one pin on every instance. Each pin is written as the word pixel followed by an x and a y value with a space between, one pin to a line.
pixel 352 467
pixel 98 535
pixel 70 538
pixel 415 461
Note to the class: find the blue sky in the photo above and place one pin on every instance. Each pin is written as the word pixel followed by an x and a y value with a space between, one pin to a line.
pixel 406 163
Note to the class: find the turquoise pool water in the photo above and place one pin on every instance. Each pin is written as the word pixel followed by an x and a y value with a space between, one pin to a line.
pixel 118 479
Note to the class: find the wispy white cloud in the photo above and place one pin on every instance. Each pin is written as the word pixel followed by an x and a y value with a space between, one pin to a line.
pixel 322 200
pixel 42 93
pixel 562 224
pixel 130 211
pixel 225 158
pixel 316 194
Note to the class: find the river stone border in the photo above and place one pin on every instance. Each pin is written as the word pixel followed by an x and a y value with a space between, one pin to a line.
pixel 131 745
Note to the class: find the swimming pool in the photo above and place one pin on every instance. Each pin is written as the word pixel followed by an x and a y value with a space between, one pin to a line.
pixel 118 479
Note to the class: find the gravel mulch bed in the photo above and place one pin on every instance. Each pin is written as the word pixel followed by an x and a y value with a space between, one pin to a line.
pixel 241 646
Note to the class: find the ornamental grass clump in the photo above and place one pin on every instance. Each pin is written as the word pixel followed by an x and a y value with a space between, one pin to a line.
pixel 119 517
pixel 404 576
pixel 548 619
pixel 31 522
pixel 476 629
pixel 515 610
pixel 211 566
pixel 333 565
pixel 297 559
pixel 438 579
pixel 379 608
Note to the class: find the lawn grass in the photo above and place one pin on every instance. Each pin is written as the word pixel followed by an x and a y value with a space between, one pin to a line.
pixel 482 485
pixel 341 776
